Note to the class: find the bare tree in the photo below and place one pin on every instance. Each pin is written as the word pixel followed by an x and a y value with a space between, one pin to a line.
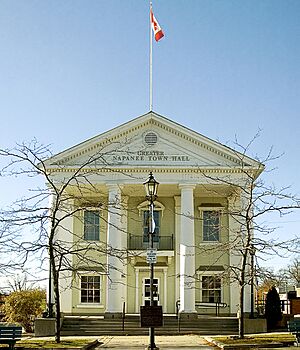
pixel 293 272
pixel 251 202
pixel 69 191
pixel 7 246
pixel 20 282
pixel 267 278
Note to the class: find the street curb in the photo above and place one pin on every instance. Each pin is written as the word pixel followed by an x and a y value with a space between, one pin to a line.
pixel 221 345
pixel 88 346
pixel 93 344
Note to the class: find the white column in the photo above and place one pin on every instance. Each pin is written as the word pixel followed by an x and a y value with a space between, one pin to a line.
pixel 66 241
pixel 177 242
pixel 187 250
pixel 50 287
pixel 237 236
pixel 63 235
pixel 124 219
pixel 234 257
pixel 165 292
pixel 137 290
pixel 246 204
pixel 114 295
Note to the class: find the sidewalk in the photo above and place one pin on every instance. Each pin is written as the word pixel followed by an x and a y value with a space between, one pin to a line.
pixel 172 342
pixel 164 342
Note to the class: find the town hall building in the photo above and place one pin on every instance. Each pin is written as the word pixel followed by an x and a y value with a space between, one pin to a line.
pixel 195 230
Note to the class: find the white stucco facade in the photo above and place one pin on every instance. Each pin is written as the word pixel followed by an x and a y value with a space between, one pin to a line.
pixel 196 178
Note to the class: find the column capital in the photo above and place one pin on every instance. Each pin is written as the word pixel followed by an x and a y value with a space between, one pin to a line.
pixel 114 186
pixel 187 186
pixel 177 201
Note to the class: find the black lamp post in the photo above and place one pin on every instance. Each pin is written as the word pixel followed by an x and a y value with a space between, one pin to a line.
pixel 151 187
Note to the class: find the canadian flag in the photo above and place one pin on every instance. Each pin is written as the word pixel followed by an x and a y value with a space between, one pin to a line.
pixel 158 33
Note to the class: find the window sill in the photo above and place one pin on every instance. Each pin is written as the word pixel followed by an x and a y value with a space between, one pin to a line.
pixel 87 243
pixel 90 306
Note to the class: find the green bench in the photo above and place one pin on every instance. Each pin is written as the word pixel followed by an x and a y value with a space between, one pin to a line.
pixel 9 335
pixel 294 328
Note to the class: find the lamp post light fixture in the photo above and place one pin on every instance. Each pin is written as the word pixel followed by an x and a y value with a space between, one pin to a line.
pixel 151 187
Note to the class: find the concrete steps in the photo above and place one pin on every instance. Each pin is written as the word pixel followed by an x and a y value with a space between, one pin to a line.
pixel 96 326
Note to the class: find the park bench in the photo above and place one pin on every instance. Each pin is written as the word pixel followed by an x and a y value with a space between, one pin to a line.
pixel 294 328
pixel 9 335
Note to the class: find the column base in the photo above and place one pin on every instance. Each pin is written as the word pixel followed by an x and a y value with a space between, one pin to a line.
pixel 188 316
pixel 112 315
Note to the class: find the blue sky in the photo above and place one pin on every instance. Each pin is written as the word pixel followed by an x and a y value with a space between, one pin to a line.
pixel 70 70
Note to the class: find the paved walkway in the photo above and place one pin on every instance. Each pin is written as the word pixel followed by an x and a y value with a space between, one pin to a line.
pixel 187 342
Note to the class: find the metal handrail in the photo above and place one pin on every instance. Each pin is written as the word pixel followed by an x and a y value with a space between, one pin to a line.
pixel 123 317
pixel 216 305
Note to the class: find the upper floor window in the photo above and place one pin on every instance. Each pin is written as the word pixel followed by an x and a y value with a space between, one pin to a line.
pixel 210 216
pixel 211 225
pixel 91 225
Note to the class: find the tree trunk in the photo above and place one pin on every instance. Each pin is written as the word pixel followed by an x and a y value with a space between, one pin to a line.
pixel 55 276
pixel 241 312
pixel 57 306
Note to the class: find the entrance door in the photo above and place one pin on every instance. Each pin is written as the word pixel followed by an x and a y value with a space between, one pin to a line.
pixel 147 289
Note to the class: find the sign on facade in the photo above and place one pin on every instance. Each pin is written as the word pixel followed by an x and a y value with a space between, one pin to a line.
pixel 151 256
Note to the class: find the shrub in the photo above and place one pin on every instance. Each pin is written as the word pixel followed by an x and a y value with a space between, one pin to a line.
pixel 273 311
pixel 23 306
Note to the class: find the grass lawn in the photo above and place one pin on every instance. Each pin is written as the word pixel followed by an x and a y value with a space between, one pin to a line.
pixel 32 343
pixel 257 339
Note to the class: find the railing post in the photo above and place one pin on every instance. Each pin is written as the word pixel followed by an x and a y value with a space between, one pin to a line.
pixel 123 317
pixel 177 308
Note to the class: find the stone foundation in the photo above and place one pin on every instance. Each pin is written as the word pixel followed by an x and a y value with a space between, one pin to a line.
pixel 188 316
pixel 112 315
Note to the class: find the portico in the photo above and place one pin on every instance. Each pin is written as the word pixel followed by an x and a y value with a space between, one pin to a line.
pixel 193 217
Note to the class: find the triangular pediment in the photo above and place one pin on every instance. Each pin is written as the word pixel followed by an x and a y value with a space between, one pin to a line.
pixel 152 140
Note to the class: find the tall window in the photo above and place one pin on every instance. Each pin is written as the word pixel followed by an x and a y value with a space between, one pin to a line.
pixel 156 215
pixel 91 225
pixel 211 289
pixel 90 289
pixel 211 225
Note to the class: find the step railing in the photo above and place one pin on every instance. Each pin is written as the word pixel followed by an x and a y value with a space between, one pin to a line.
pixel 216 305
pixel 123 317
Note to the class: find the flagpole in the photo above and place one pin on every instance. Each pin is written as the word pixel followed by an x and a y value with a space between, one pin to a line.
pixel 150 70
